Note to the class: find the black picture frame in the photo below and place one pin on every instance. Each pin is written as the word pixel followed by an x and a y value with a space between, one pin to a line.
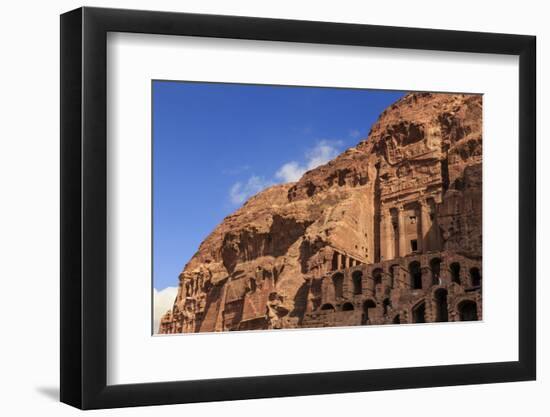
pixel 84 207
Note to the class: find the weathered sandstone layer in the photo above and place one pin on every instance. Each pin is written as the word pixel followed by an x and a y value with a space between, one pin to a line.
pixel 389 231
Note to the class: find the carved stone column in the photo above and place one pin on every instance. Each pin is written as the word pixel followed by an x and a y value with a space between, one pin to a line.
pixel 391 236
pixel 425 226
pixel 401 231
pixel 386 236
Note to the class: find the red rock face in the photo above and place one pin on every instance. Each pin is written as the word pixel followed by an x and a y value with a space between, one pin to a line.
pixel 387 232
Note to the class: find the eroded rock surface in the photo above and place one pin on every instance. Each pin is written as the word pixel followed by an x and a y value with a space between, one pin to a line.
pixel 387 232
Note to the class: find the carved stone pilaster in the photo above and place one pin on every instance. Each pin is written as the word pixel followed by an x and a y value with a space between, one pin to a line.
pixel 401 230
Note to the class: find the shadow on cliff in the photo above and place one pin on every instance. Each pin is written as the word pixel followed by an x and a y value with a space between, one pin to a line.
pixel 249 244
pixel 460 213
pixel 300 302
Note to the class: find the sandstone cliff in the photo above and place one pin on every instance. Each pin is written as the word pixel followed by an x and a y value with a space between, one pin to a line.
pixel 251 272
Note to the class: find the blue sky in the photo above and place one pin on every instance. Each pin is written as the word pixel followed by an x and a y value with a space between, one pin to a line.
pixel 215 145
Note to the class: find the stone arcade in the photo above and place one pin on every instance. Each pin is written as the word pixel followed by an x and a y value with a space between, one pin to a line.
pixel 388 232
pixel 417 288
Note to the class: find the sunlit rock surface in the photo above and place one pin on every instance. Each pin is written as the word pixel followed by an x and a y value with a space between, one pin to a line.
pixel 387 232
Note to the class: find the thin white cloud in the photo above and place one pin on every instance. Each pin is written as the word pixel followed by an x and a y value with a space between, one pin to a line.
pixel 290 172
pixel 320 154
pixel 240 192
pixel 324 151
pixel 163 301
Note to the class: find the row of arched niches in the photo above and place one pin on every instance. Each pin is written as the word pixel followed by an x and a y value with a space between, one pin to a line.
pixel 432 287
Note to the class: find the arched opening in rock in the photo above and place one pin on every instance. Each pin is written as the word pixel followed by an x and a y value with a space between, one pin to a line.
pixel 419 313
pixel 467 311
pixel 327 306
pixel 475 277
pixel 357 278
pixel 377 276
pixel 396 320
pixel 338 282
pixel 347 307
pixel 435 266
pixel 415 273
pixel 386 305
pixel 441 310
pixel 369 307
pixel 455 272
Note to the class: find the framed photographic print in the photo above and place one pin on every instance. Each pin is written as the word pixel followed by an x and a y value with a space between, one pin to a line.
pixel 258 207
